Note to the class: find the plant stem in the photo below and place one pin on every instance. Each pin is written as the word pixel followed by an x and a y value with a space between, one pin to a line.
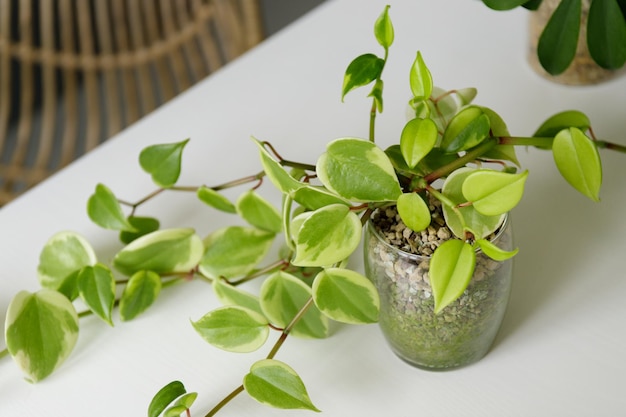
pixel 461 161
pixel 602 144
pixel 276 265
pixel 273 352
pixel 225 401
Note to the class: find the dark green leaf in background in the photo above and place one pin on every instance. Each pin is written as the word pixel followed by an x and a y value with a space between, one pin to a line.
pixel 606 34
pixel 557 44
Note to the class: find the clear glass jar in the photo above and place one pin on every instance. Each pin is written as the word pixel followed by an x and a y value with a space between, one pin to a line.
pixel 460 334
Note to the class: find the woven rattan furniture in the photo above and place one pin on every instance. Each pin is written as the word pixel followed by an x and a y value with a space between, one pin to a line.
pixel 75 72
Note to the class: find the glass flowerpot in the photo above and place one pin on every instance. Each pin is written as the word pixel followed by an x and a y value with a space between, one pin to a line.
pixel 583 70
pixel 463 332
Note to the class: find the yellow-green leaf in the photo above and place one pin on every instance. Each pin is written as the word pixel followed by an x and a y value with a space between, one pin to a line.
pixel 578 161
pixel 276 384
pixel 414 211
pixel 493 192
pixel 163 162
pixel 142 290
pixel 451 269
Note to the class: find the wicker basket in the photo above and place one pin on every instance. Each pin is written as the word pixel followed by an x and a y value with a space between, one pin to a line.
pixel 75 72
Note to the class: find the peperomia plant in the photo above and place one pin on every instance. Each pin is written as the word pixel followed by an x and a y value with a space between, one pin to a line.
pixel 451 150
pixel 605 32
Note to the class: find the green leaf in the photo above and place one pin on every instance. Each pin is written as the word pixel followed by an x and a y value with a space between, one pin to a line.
pixel 563 120
pixel 414 211
pixel 417 139
pixel 215 199
pixel 606 34
pixel 104 209
pixel 234 251
pixel 63 255
pixel 578 161
pixel 558 41
pixel 41 330
pixel 420 79
pixel 451 269
pixel 357 169
pixel 467 129
pixel 327 236
pixel 492 192
pixel 281 179
pixel 494 252
pixel 346 296
pixel 165 397
pixel 142 290
pixel 362 70
pixel 479 224
pixel 142 225
pixel 498 128
pixel 377 94
pixel 96 285
pixel 503 4
pixel 182 404
pixel 383 29
pixel 466 95
pixel 234 329
pixel 232 296
pixel 315 197
pixel 259 212
pixel 163 162
pixel 274 383
pixel 282 297
pixel 164 252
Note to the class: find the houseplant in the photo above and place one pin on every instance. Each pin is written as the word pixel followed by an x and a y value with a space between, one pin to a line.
pixel 574 41
pixel 149 269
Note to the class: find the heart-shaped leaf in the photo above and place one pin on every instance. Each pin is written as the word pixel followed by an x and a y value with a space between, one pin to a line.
pixel 315 197
pixel 471 219
pixel 165 397
pixel 182 404
pixel 362 70
pixel 420 79
pixel 451 269
pixel 163 162
pixel 259 212
pixel 41 330
pixel 493 193
pixel 63 255
pixel 234 296
pixel 142 290
pixel 327 236
pixel 563 120
pixel 274 383
pixel 558 41
pixel 346 296
pixel 233 328
pixel 467 129
pixel 96 285
pixel 414 211
pixel 215 199
pixel 234 251
pixel 417 139
pixel 164 251
pixel 104 209
pixel 358 170
pixel 578 161
pixel 142 226
pixel 282 296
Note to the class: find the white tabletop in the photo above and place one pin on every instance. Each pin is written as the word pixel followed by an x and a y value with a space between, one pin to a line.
pixel 562 348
